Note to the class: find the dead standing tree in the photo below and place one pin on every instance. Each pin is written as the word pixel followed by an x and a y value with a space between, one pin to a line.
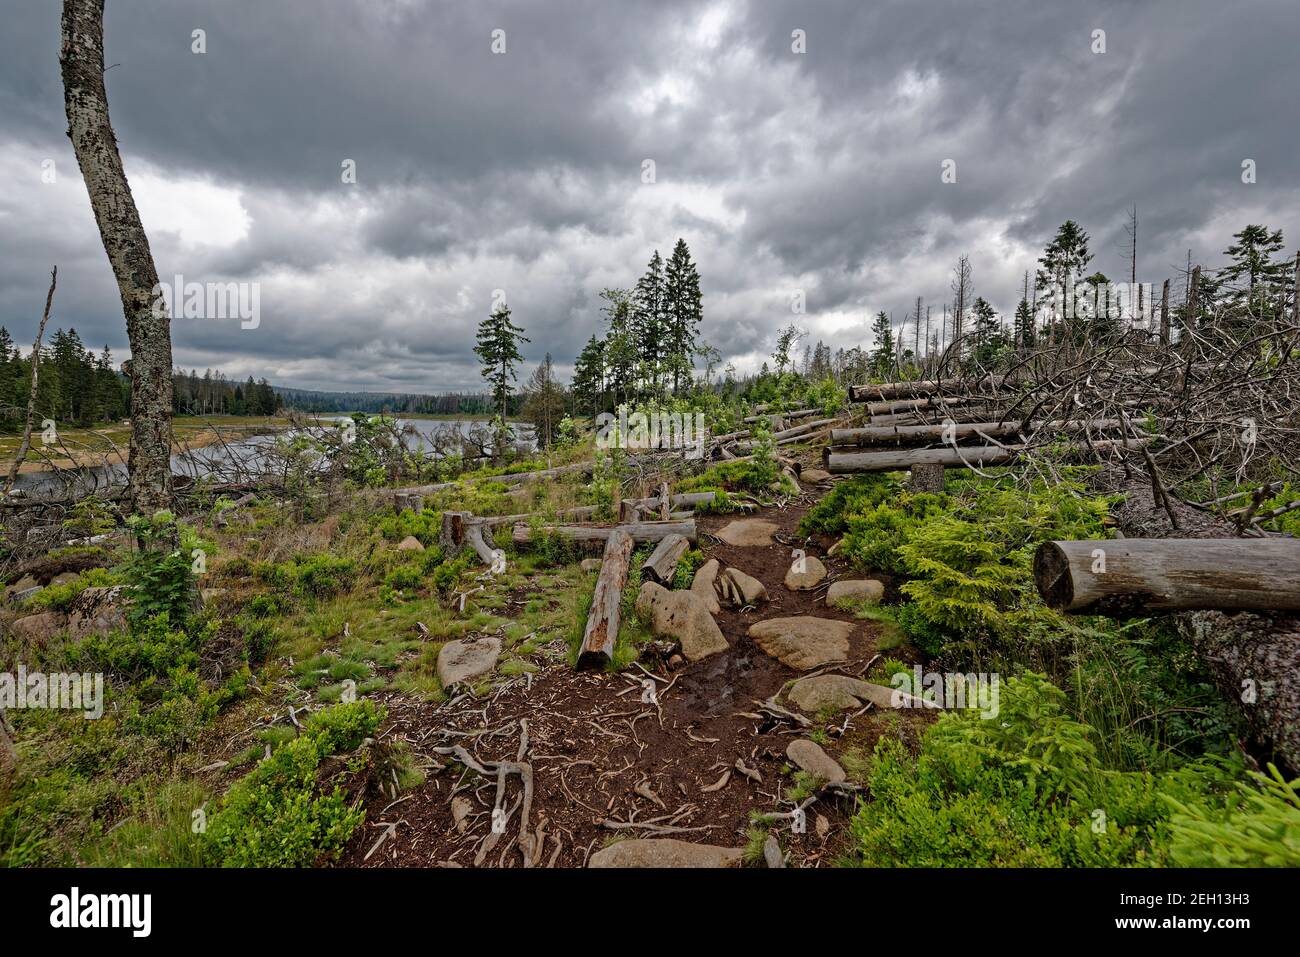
pixel 148 330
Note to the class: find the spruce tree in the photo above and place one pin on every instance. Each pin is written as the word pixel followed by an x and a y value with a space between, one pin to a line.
pixel 497 346
pixel 1253 275
pixel 882 356
pixel 589 378
pixel 649 324
pixel 684 310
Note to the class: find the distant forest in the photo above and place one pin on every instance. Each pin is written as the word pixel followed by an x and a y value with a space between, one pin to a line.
pixel 454 403
pixel 76 386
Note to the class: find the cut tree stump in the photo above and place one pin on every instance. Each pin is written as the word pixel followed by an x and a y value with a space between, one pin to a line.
pixel 927 477
pixel 601 633
pixel 661 566
pixel 1128 575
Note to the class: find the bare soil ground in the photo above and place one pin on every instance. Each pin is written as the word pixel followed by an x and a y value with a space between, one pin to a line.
pixel 607 765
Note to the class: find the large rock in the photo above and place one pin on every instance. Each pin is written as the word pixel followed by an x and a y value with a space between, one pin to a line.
pixel 98 611
pixel 741 589
pixel 809 756
pixel 592 564
pixel 682 616
pixel 704 583
pixel 39 628
pixel 814 476
pixel 410 544
pixel 461 660
pixel 855 591
pixel 665 852
pixel 805 573
pixel 803 642
pixel 748 532
pixel 844 693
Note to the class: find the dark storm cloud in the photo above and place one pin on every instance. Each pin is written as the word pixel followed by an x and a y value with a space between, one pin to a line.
pixel 817 172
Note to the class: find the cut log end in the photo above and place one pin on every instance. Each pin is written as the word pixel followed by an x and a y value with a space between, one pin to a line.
pixel 1052 575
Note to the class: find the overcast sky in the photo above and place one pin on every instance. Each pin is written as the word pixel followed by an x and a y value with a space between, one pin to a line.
pixel 523 171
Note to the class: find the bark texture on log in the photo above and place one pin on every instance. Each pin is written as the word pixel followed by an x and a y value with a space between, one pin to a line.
pixel 661 566
pixel 148 329
pixel 888 391
pixel 923 434
pixel 601 632
pixel 891 460
pixel 640 531
pixel 1126 575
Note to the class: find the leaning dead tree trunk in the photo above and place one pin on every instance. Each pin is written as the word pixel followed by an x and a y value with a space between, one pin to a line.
pixel 148 329
pixel 601 633
pixel 1169 574
pixel 26 443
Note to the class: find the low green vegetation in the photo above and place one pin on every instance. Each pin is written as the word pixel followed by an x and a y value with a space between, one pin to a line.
pixel 1111 746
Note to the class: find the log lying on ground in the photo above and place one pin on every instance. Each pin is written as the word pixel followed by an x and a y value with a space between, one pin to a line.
pixel 1169 574
pixel 886 391
pixel 797 414
pixel 964 413
pixel 681 506
pixel 661 566
pixel 580 513
pixel 601 633
pixel 640 531
pixel 890 460
pixel 923 434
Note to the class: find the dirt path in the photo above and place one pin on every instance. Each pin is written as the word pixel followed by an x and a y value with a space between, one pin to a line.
pixel 593 744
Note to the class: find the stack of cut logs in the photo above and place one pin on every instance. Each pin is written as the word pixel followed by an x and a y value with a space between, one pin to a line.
pixel 927 426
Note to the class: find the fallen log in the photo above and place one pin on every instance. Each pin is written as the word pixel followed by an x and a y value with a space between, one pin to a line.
pixel 1169 574
pixel 840 463
pixel 922 434
pixel 889 460
pixel 661 566
pixel 601 632
pixel 886 391
pixel 640 531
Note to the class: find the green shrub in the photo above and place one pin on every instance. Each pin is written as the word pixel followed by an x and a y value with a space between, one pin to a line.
pixel 1023 789
pixel 60 597
pixel 278 815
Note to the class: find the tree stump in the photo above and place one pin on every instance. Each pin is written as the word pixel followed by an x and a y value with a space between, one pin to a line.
pixel 927 477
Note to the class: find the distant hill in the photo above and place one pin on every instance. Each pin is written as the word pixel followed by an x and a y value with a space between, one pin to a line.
pixel 452 403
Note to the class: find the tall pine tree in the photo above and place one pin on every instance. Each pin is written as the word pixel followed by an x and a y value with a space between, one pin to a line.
pixel 683 307
pixel 497 346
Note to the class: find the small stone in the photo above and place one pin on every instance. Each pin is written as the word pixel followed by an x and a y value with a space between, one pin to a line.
pixel 814 475
pixel 460 809
pixel 410 544
pixel 748 532
pixel 809 757
pixel 805 573
pixel 772 855
pixel 665 852
pixel 750 590
pixel 855 591
pixel 675 661
pixel 682 616
pixel 24 594
pixel 592 564
pixel 703 585
pixel 803 642
pixel 461 660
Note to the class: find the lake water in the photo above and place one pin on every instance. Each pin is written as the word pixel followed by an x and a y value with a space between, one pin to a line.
pixel 246 455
